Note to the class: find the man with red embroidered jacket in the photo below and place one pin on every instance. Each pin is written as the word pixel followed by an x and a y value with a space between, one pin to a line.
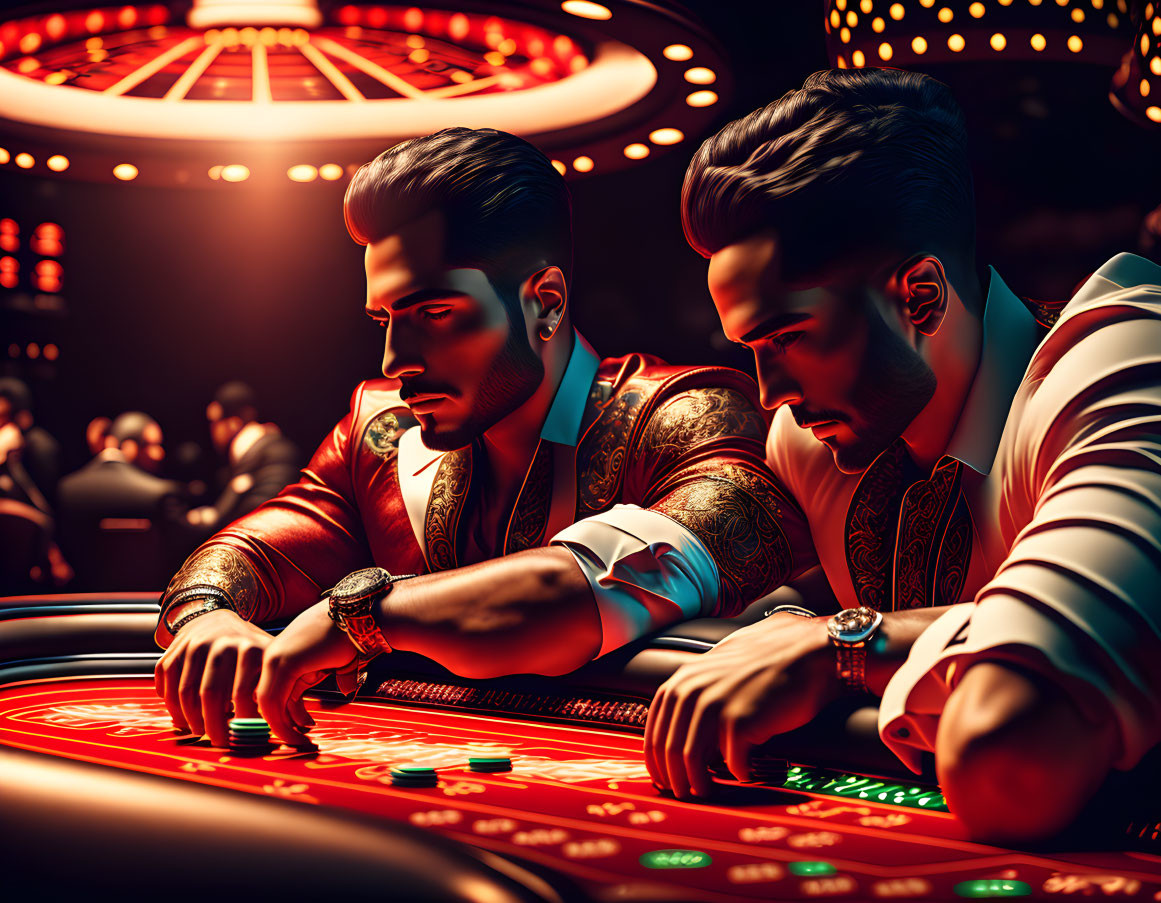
pixel 555 506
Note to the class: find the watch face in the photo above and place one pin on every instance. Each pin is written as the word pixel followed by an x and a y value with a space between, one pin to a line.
pixel 853 625
pixel 359 584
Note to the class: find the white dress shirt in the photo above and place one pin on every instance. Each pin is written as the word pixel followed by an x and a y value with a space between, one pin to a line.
pixel 1061 439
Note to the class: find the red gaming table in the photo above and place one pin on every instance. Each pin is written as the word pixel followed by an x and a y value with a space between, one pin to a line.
pixel 100 793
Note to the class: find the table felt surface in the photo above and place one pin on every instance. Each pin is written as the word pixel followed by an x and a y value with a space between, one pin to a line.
pixel 577 800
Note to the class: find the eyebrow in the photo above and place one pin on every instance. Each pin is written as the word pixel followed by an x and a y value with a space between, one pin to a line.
pixel 774 324
pixel 416 297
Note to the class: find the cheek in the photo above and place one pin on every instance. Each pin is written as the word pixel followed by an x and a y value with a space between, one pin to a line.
pixel 833 365
pixel 467 344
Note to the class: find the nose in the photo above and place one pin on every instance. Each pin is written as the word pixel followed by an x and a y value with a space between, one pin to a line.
pixel 399 355
pixel 776 386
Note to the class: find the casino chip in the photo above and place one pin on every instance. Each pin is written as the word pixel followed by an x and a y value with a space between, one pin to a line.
pixel 414 776
pixel 249 735
pixel 489 763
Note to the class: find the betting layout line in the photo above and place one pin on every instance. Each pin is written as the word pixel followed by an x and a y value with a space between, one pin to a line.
pixel 1000 856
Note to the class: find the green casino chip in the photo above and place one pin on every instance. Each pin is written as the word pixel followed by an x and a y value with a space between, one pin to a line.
pixel 249 722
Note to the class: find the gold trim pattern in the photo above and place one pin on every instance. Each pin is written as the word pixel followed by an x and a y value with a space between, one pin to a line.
pixel 736 512
pixel 445 505
pixel 220 567
pixel 695 417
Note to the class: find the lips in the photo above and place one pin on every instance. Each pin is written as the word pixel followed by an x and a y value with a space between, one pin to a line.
pixel 425 404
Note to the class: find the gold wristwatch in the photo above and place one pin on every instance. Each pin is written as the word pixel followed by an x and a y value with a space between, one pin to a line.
pixel 850 632
pixel 353 601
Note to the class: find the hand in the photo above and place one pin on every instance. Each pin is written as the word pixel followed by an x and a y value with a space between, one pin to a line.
pixel 310 648
pixel 214 658
pixel 762 680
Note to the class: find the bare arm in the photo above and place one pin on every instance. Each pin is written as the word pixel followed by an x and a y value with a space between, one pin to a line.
pixel 890 647
pixel 531 612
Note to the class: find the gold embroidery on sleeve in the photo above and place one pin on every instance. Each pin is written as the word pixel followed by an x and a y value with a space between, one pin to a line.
pixel 736 513
pixel 220 567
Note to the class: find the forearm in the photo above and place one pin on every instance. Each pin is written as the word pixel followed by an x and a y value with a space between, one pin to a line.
pixel 892 644
pixel 532 612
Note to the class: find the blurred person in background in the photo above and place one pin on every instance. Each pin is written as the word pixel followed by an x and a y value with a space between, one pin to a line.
pixel 40 454
pixel 122 524
pixel 260 461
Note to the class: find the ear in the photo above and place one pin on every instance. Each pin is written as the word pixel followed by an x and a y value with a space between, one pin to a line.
pixel 547 291
pixel 922 288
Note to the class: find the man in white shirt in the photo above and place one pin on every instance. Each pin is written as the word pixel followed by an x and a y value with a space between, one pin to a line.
pixel 991 485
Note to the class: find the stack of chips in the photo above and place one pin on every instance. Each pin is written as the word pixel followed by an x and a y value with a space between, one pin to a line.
pixel 249 735
pixel 489 763
pixel 414 776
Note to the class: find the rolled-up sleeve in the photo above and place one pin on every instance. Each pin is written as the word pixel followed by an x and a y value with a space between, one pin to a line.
pixel 1078 597
pixel 645 570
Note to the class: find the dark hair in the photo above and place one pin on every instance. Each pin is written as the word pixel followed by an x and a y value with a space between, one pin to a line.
pixel 854 158
pixel 131 425
pixel 17 393
pixel 237 400
pixel 505 204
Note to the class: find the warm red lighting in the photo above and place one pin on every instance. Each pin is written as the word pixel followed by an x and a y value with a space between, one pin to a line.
pixel 9 265
pixel 13 349
pixel 33 350
pixel 956 43
pixel 637 151
pixel 859 59
pixel 885 51
pixel 666 136
pixel 4 155
pixel 998 42
pixel 9 243
pixel 58 163
pixel 126 172
pixel 583 164
pixel 919 45
pixel 235 172
pixel 559 167
pixel 25 161
pixel 586 9
pixel 700 75
pixel 54 26
pixel 679 53
pixel 330 171
pixel 1075 44
pixel 49 268
pixel 9 227
pixel 303 172
pixel 702 99
pixel 896 11
pixel 51 352
pixel 1038 42
pixel 1154 113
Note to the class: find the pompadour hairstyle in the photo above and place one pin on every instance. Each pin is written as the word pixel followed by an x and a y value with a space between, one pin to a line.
pixel 854 159
pixel 505 205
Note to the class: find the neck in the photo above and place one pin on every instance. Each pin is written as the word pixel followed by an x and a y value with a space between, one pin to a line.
pixel 954 354
pixel 511 442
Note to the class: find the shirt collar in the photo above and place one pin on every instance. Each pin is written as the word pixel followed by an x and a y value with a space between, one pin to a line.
pixel 1122 271
pixel 562 425
pixel 1010 335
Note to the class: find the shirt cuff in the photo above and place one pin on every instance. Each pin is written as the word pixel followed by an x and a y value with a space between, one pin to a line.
pixel 646 570
pixel 1001 629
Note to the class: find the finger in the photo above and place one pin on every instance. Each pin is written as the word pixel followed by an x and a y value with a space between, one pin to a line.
pixel 249 670
pixel 686 701
pixel 701 742
pixel 189 688
pixel 737 744
pixel 274 688
pixel 298 713
pixel 170 667
pixel 216 690
pixel 656 730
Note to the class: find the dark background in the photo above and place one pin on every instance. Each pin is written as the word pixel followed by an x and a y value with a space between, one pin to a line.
pixel 171 292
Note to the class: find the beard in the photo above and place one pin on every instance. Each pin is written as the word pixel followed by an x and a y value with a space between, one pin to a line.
pixel 510 381
pixel 894 385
